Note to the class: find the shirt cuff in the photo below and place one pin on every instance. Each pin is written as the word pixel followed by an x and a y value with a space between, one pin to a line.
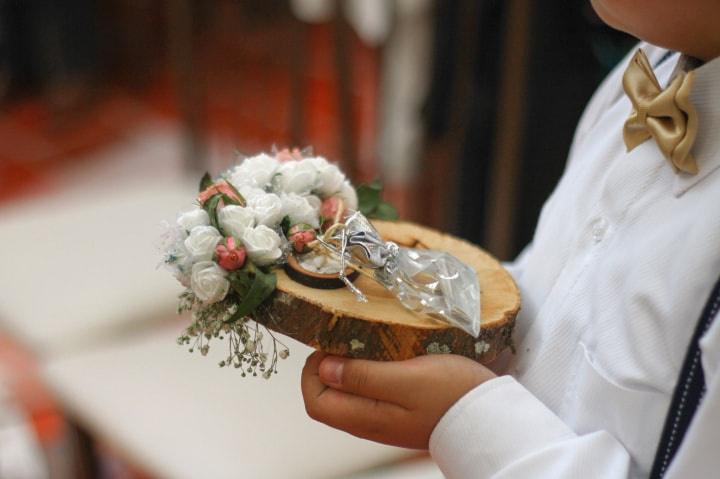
pixel 492 426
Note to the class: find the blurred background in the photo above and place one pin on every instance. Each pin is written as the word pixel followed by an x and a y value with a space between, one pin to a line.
pixel 109 112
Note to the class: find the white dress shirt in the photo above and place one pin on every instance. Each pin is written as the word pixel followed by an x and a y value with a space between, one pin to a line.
pixel 624 257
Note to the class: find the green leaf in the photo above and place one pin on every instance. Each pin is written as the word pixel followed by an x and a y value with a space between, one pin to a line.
pixel 285 224
pixel 368 197
pixel 370 202
pixel 263 285
pixel 206 182
pixel 242 201
pixel 211 208
pixel 240 281
pixel 230 201
pixel 385 211
pixel 375 185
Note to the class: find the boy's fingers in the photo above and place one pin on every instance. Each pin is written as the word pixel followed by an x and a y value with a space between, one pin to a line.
pixel 312 362
pixel 360 416
pixel 387 381
pixel 310 381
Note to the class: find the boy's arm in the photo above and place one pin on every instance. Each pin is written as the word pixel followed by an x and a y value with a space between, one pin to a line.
pixel 478 425
pixel 396 402
pixel 474 423
pixel 501 430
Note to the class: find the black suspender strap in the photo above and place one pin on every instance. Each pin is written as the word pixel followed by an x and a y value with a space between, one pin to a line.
pixel 688 392
pixel 665 56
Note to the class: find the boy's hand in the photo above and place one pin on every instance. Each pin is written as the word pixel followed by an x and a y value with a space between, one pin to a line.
pixel 397 403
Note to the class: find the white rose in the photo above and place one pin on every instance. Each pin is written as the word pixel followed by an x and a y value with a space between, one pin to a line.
pixel 296 177
pixel 330 179
pixel 299 210
pixel 208 281
pixel 318 162
pixel 262 245
pixel 193 218
pixel 202 241
pixel 255 171
pixel 314 201
pixel 235 219
pixel 348 195
pixel 249 192
pixel 267 209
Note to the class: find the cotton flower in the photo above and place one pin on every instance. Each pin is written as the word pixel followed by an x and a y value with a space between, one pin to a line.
pixel 299 210
pixel 254 171
pixel 296 177
pixel 208 281
pixel 201 242
pixel 195 217
pixel 170 236
pixel 262 245
pixel 179 261
pixel 235 219
pixel 267 208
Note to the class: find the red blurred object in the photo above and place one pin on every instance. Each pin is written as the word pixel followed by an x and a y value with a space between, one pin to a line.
pixel 21 374
pixel 247 100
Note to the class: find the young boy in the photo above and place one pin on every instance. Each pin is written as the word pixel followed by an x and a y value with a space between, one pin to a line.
pixel 626 252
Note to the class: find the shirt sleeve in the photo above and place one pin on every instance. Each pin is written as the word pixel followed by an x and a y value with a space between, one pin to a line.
pixel 517 266
pixel 500 430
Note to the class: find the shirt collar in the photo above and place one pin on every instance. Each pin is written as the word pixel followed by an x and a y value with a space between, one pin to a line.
pixel 705 97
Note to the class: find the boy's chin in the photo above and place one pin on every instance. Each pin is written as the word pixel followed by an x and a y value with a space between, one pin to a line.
pixel 610 12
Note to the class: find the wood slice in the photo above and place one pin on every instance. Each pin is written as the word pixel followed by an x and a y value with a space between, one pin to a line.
pixel 382 329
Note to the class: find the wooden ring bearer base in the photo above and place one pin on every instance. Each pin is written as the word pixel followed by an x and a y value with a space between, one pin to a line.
pixel 382 329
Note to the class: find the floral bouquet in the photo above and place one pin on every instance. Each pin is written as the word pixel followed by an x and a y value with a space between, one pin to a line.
pixel 246 223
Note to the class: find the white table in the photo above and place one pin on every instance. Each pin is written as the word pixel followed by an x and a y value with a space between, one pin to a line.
pixel 181 416
pixel 80 268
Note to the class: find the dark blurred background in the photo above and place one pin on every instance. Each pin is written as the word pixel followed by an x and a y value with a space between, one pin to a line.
pixel 496 89
pixel 464 109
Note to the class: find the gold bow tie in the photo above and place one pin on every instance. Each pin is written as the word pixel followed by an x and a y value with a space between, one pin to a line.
pixel 666 115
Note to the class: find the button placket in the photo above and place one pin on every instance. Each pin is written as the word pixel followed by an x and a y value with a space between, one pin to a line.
pixel 598 229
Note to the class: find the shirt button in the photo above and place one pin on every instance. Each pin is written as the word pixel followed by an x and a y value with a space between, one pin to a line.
pixel 599 229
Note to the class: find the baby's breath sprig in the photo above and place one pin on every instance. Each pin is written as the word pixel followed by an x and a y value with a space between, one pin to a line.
pixel 245 338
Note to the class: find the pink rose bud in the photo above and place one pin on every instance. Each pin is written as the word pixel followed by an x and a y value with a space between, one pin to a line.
pixel 300 235
pixel 331 206
pixel 287 155
pixel 219 187
pixel 230 255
